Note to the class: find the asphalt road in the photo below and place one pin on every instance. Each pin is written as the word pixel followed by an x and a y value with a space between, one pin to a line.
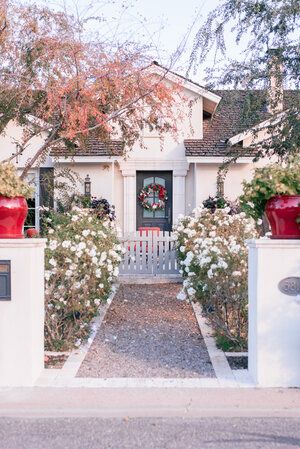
pixel 150 433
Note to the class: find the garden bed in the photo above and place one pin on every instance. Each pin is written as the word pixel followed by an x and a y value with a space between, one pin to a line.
pixel 148 333
pixel 55 361
pixel 238 362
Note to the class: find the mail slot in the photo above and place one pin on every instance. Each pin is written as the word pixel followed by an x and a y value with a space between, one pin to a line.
pixel 5 280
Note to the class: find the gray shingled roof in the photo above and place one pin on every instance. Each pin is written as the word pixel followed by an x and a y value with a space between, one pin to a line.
pixel 92 147
pixel 229 120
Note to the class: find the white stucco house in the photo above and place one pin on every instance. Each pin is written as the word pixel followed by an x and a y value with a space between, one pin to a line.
pixel 187 167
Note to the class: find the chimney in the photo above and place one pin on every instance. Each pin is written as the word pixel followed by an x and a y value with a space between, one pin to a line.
pixel 275 91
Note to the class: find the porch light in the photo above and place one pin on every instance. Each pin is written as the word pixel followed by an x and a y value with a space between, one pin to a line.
pixel 87 186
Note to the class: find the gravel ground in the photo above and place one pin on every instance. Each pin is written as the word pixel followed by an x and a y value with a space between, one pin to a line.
pixel 150 433
pixel 147 332
pixel 239 362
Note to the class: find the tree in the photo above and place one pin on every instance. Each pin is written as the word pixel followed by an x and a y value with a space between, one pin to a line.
pixel 269 32
pixel 59 81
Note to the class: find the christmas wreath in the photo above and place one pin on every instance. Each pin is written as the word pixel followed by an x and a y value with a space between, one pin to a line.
pixel 153 188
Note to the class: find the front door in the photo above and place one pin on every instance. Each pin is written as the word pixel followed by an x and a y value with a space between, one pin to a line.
pixel 161 218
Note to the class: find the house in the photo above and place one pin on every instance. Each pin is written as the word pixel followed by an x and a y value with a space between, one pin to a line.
pixel 187 167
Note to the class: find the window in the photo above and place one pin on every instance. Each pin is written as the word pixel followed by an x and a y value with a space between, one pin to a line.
pixel 32 220
pixel 153 198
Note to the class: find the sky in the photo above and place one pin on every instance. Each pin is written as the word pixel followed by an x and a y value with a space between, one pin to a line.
pixel 164 24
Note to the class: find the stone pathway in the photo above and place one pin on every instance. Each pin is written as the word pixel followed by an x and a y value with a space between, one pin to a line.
pixel 147 332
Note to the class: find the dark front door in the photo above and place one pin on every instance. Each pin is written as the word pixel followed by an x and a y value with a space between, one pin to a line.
pixel 159 218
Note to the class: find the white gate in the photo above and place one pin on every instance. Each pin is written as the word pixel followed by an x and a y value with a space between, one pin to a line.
pixel 150 253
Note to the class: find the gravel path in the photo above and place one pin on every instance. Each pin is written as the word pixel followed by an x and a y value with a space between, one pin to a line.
pixel 147 332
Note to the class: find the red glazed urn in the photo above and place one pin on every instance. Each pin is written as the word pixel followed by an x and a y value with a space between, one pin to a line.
pixel 13 213
pixel 32 232
pixel 282 212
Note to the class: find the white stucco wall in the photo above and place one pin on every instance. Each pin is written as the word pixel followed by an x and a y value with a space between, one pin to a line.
pixel 206 183
pixel 190 193
pixel 274 316
pixel 100 175
pixel 22 317
pixel 172 147
pixel 14 134
pixel 106 182
pixel 118 200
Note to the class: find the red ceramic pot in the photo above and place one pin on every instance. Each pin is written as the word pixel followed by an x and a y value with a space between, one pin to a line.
pixel 13 213
pixel 32 232
pixel 282 213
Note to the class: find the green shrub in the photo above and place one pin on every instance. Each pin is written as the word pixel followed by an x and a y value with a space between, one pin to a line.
pixel 213 256
pixel 274 179
pixel 82 258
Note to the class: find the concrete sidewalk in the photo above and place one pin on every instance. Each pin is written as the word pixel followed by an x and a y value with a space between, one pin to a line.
pixel 151 402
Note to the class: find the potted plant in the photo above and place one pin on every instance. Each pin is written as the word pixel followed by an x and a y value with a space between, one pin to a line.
pixel 275 191
pixel 13 204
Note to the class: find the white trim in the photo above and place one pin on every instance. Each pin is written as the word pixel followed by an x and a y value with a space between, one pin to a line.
pixel 189 85
pixel 113 182
pixel 84 159
pixel 195 185
pixel 218 159
pixel 28 243
pixel 272 243
pixel 130 167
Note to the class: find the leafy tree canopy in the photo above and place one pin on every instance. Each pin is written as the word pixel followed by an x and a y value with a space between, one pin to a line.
pixel 61 82
pixel 269 31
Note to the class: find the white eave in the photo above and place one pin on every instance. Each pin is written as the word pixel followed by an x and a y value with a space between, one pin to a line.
pixel 211 100
pixel 84 159
pixel 217 159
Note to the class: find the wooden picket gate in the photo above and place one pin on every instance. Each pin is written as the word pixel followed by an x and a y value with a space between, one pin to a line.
pixel 150 254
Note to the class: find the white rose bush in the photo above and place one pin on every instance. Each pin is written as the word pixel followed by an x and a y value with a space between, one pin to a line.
pixel 82 259
pixel 213 256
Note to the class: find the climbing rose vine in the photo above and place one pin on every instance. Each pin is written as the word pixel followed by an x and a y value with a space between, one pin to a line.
pixel 82 258
pixel 213 257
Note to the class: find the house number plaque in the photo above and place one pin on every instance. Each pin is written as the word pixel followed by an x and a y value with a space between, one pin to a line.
pixel 290 286
pixel 5 281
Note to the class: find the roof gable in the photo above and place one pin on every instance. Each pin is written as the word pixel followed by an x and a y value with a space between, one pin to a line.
pixel 210 99
pixel 230 119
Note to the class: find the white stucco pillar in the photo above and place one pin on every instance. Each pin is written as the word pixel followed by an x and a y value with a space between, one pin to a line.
pixel 22 314
pixel 129 181
pixel 179 200
pixel 196 199
pixel 274 316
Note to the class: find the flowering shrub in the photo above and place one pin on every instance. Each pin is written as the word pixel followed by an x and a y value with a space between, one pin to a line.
pixel 103 209
pixel 213 257
pixel 11 184
pixel 274 179
pixel 82 258
pixel 220 202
